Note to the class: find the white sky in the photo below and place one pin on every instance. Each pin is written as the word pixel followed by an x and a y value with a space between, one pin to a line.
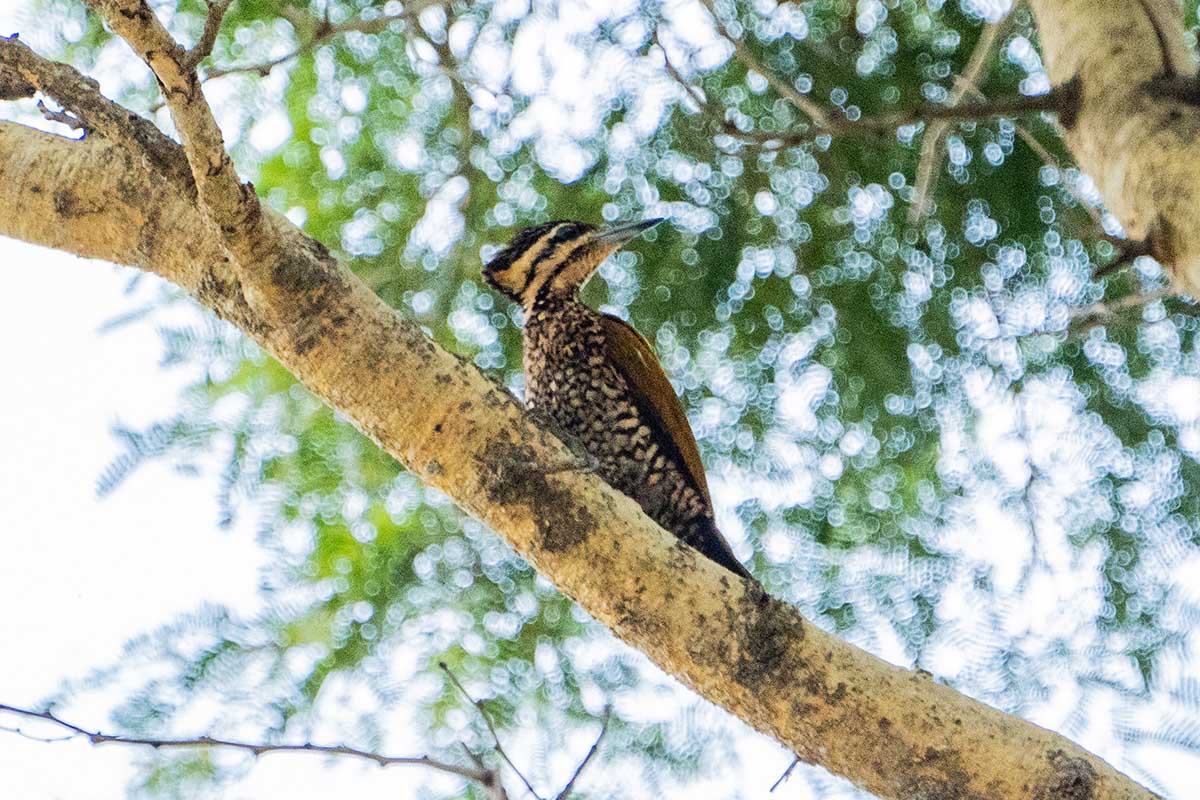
pixel 81 575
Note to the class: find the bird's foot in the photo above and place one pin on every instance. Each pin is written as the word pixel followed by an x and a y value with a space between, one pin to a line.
pixel 583 460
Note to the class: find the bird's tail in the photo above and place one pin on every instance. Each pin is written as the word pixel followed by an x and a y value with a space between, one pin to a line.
pixel 706 537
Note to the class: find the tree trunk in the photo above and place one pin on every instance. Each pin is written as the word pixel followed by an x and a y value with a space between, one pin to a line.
pixel 1137 132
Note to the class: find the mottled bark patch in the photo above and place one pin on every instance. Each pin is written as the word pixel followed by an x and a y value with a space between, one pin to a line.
pixel 517 479
pixel 928 787
pixel 766 629
pixel 1072 779
pixel 320 292
pixel 69 205
pixel 224 296
pixel 12 85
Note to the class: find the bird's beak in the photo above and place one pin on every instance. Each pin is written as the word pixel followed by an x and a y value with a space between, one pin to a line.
pixel 623 233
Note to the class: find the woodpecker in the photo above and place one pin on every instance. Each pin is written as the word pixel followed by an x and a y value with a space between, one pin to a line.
pixel 594 377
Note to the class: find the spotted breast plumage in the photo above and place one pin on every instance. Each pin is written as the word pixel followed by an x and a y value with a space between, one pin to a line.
pixel 597 380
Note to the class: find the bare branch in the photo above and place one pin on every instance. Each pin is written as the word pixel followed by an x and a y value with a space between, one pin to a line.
pixel 1062 100
pixel 487 720
pixel 805 104
pixel 61 117
pixel 930 159
pixel 233 208
pixel 1124 247
pixel 1084 319
pixel 212 26
pixel 787 773
pixel 321 32
pixel 566 790
pixel 256 748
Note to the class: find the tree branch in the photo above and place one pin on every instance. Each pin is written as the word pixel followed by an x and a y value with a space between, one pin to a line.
pixel 1138 145
pixel 805 104
pixel 891 731
pixel 321 32
pixel 1062 100
pixel 566 790
pixel 477 775
pixel 487 720
pixel 1084 319
pixel 929 162
pixel 80 95
pixel 212 26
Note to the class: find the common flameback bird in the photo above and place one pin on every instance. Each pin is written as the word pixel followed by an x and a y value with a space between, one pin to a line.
pixel 594 378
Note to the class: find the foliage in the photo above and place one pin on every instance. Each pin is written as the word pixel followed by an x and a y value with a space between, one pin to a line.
pixel 907 436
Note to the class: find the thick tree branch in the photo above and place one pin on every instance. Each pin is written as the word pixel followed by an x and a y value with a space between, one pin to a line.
pixel 80 95
pixel 892 731
pixel 1138 143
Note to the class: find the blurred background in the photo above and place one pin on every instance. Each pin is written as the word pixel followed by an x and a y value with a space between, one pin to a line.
pixel 919 426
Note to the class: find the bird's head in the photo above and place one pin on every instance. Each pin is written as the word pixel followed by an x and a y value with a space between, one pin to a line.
pixel 556 256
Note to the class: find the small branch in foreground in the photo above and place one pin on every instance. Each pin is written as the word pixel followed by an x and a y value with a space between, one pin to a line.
pixel 478 704
pixel 61 117
pixel 477 775
pixel 566 790
pixel 787 773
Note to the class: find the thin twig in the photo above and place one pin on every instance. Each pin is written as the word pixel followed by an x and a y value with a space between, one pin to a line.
pixel 212 26
pixel 786 774
pixel 70 120
pixel 322 30
pixel 261 69
pixel 566 790
pixel 804 103
pixel 930 160
pixel 1084 319
pixel 1050 160
pixel 491 728
pixel 256 748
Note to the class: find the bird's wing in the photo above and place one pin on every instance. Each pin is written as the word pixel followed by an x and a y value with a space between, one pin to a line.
pixel 655 395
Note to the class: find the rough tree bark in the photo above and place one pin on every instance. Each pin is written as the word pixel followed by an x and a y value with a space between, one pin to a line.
pixel 129 196
pixel 1136 131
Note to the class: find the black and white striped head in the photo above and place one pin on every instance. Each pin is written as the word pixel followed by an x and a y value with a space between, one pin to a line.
pixel 555 256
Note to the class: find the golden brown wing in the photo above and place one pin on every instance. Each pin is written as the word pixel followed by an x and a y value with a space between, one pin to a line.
pixel 656 397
